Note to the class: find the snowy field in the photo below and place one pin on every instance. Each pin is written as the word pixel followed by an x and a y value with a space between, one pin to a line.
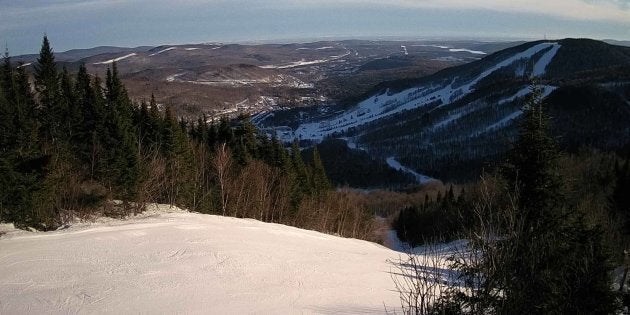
pixel 166 262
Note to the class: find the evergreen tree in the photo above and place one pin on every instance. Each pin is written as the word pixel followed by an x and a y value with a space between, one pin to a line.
pixel 179 161
pixel 47 85
pixel 555 262
pixel 320 180
pixel 24 187
pixel 120 139
pixel 72 116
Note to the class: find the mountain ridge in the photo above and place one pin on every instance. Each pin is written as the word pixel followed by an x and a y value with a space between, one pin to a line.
pixel 466 116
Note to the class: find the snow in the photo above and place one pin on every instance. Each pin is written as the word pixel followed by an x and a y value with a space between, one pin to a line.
pixel 162 51
pixel 541 66
pixel 404 48
pixel 303 62
pixel 115 59
pixel 421 179
pixel 383 105
pixel 476 52
pixel 505 121
pixel 172 78
pixel 25 65
pixel 434 46
pixel 171 261
pixel 191 48
pixel 320 48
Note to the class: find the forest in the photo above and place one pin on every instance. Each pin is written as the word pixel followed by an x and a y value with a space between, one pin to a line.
pixel 551 225
pixel 75 145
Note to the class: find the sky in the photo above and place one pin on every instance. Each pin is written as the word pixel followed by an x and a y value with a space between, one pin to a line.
pixel 72 24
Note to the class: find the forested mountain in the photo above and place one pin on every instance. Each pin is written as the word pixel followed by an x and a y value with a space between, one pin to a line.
pixel 71 144
pixel 451 124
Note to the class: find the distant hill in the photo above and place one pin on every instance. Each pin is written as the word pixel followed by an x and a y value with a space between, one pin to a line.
pixel 227 79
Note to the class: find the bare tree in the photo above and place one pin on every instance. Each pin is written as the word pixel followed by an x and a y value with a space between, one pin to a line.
pixel 222 164
pixel 421 278
pixel 467 278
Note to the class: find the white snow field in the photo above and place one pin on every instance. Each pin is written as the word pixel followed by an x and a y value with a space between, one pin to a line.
pixel 167 262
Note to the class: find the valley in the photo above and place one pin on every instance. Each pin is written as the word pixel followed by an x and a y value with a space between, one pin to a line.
pixel 229 79
pixel 464 117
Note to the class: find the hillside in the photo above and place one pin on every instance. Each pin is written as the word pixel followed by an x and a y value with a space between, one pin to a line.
pixel 227 79
pixel 171 261
pixel 452 124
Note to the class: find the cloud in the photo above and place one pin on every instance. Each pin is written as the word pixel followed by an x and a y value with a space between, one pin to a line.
pixel 589 10
pixel 600 10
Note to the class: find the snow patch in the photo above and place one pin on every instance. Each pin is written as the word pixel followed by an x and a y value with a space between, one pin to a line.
pixel 172 78
pixel 303 62
pixel 162 51
pixel 434 46
pixel 115 59
pixel 421 179
pixel 475 52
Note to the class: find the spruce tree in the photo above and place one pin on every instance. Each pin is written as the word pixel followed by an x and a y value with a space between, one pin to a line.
pixel 47 86
pixel 554 259
pixel 120 139
pixel 25 192
pixel 320 180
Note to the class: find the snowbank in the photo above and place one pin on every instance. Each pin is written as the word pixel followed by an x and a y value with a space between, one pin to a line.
pixel 171 261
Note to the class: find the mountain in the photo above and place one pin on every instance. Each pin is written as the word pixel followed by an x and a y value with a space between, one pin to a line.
pixel 452 124
pixel 75 55
pixel 227 79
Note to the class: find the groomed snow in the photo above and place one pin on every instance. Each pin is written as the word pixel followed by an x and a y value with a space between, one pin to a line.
pixel 541 66
pixel 185 263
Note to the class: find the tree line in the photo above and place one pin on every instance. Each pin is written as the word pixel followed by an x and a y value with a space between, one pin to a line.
pixel 72 143
pixel 543 232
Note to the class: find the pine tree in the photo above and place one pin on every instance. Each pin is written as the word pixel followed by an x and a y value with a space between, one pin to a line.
pixel 24 187
pixel 179 160
pixel 320 180
pixel 68 104
pixel 120 140
pixel 554 258
pixel 47 85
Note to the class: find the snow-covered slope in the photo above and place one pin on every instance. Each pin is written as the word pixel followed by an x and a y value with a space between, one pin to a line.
pixel 383 105
pixel 186 263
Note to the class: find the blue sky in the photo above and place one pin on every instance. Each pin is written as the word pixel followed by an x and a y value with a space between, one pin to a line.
pixel 88 23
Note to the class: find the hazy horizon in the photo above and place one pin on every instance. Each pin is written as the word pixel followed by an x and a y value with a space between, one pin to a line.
pixel 81 24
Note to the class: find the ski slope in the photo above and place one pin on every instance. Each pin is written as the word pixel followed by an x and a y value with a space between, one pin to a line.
pixel 383 105
pixel 421 179
pixel 167 262
pixel 110 61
